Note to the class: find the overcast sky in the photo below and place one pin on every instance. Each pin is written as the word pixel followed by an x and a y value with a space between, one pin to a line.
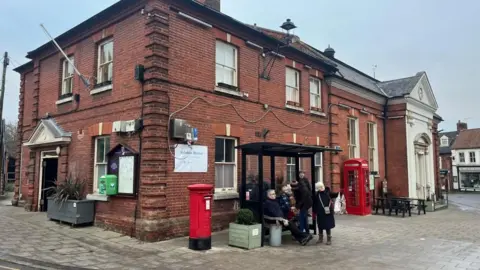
pixel 401 37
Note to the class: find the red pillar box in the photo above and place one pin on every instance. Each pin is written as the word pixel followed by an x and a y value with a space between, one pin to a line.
pixel 200 217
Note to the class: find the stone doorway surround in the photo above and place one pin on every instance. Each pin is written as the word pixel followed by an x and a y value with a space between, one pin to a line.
pixel 423 186
pixel 47 136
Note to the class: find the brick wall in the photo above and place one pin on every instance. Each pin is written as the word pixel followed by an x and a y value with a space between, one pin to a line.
pixel 179 57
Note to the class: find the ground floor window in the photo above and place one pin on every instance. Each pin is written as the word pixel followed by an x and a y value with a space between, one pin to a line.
pixel 470 180
pixel 225 164
pixel 291 175
pixel 318 167
pixel 102 146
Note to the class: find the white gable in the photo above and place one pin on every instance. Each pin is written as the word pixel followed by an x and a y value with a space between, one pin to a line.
pixel 45 136
pixel 423 92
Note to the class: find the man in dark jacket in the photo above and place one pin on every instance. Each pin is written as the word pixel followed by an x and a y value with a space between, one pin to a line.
pixel 304 201
pixel 271 208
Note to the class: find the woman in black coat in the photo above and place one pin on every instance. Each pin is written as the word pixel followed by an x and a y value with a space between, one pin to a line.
pixel 325 217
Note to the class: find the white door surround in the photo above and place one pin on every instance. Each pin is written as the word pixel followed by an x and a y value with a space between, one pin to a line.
pixel 423 186
pixel 43 155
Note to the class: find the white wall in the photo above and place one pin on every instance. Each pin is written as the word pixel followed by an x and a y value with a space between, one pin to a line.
pixel 420 119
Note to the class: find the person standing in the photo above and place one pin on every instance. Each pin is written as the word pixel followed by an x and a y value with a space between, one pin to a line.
pixel 323 207
pixel 303 199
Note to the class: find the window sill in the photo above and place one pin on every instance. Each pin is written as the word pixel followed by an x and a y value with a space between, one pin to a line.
pixel 101 89
pixel 64 100
pixel 97 197
pixel 295 108
pixel 236 93
pixel 318 113
pixel 225 196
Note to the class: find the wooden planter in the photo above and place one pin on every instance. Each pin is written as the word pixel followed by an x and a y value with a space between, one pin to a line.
pixel 73 212
pixel 245 236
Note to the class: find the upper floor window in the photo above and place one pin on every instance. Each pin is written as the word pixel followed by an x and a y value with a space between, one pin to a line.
pixel 472 157
pixel 102 146
pixel 293 86
pixel 352 133
pixel 105 62
pixel 444 141
pixel 226 64
pixel 461 157
pixel 67 76
pixel 225 164
pixel 315 93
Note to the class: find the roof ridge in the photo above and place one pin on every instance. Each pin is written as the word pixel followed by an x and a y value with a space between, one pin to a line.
pixel 399 79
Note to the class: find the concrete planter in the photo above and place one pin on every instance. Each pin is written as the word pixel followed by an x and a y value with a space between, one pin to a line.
pixel 430 206
pixel 245 236
pixel 73 212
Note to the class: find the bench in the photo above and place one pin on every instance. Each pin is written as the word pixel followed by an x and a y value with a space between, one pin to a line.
pixel 400 204
pixel 420 204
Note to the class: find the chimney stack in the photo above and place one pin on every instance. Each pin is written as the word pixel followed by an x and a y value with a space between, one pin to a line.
pixel 461 126
pixel 213 4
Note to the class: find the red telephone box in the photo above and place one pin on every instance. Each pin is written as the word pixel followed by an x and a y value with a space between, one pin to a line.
pixel 200 217
pixel 357 187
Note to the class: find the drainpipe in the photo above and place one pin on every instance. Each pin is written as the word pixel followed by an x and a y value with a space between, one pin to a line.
pixel 329 111
pixel 385 109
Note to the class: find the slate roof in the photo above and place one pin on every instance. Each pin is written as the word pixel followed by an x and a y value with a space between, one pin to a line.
pixel 467 139
pixel 401 87
pixel 452 135
pixel 53 127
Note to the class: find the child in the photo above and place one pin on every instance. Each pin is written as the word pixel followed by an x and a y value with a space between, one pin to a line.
pixel 284 201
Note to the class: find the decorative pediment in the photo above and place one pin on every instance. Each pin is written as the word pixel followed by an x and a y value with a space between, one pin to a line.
pixel 48 133
pixel 423 92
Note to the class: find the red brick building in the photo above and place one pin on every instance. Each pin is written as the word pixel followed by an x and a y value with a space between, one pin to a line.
pixel 229 80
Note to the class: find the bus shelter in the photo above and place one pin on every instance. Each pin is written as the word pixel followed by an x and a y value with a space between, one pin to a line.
pixel 273 150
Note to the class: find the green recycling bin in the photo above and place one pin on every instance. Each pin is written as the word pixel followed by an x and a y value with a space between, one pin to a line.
pixel 111 184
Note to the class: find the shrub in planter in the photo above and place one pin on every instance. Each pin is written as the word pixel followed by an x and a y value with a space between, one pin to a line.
pixel 67 203
pixel 245 232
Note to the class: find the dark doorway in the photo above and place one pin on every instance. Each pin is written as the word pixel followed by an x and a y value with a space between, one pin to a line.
pixel 50 168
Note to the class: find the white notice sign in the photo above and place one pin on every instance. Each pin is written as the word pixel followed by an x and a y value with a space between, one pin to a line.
pixel 192 158
pixel 126 174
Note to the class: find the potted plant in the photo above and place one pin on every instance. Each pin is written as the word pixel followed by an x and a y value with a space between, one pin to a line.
pixel 67 203
pixel 245 232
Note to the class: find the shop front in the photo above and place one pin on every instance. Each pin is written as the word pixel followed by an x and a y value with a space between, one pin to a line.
pixel 469 178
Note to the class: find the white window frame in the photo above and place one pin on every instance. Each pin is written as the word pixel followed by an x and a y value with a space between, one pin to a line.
pixel 355 146
pixel 292 90
pixel 100 78
pixel 372 149
pixel 67 78
pixel 444 141
pixel 461 155
pixel 96 177
pixel 224 45
pixel 315 92
pixel 319 167
pixel 235 166
pixel 472 157
pixel 291 166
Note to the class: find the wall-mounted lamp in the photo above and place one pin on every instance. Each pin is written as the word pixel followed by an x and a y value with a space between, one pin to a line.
pixel 57 150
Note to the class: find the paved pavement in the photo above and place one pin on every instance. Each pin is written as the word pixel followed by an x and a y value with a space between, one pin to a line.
pixel 447 239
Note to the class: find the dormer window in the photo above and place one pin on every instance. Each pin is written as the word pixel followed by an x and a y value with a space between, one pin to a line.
pixel 444 141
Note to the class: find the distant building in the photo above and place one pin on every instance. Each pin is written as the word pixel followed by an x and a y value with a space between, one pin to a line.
pixel 447 139
pixel 466 159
